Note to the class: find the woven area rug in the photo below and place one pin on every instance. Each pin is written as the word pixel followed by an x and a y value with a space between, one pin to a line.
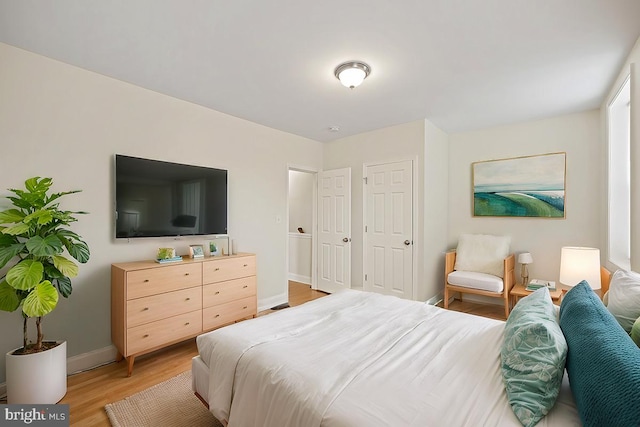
pixel 168 404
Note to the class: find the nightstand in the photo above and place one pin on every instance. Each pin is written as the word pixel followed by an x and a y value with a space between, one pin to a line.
pixel 519 291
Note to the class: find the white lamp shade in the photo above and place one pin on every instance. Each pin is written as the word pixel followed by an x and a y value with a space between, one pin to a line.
pixel 578 264
pixel 352 73
pixel 525 258
pixel 352 77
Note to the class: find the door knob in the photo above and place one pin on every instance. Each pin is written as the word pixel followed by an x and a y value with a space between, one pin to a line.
pixel 346 239
pixel 407 242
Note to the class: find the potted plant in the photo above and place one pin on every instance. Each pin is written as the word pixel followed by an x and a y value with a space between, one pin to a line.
pixel 34 235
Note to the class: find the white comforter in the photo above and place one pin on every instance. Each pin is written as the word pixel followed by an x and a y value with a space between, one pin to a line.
pixel 362 359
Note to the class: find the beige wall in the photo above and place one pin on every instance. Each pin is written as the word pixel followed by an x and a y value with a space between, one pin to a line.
pixel 436 215
pixel 67 123
pixel 578 136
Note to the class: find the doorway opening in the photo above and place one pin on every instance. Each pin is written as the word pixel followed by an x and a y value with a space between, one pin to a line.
pixel 301 226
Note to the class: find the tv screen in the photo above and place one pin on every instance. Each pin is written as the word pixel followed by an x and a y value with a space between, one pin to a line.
pixel 156 199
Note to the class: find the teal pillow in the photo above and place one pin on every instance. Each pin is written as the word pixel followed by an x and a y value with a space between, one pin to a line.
pixel 603 363
pixel 533 355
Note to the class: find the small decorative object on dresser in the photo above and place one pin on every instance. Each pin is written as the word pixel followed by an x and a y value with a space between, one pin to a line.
pixel 213 249
pixel 196 251
pixel 219 245
pixel 166 255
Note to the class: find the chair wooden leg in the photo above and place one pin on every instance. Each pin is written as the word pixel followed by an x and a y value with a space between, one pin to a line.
pixel 506 307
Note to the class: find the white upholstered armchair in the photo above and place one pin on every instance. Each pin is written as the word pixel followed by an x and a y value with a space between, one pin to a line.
pixel 480 265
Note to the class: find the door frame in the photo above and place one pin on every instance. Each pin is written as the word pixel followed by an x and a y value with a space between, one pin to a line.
pixel 414 219
pixel 314 223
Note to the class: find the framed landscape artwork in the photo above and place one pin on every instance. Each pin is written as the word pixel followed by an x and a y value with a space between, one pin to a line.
pixel 532 186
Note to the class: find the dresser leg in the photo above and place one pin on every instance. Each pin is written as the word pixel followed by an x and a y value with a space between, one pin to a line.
pixel 130 361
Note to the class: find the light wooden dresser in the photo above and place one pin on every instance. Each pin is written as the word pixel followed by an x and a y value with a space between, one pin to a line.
pixel 155 305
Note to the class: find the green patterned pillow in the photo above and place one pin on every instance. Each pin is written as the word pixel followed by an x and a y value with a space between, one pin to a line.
pixel 635 332
pixel 533 356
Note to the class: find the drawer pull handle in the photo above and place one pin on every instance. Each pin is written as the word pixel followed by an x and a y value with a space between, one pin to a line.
pixel 145 336
pixel 186 274
pixel 146 280
pixel 145 309
pixel 244 308
pixel 216 269
pixel 245 265
pixel 216 316
pixel 186 324
pixel 217 292
pixel 245 287
pixel 188 299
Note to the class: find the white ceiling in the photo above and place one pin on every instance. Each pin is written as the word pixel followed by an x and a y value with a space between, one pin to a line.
pixel 462 64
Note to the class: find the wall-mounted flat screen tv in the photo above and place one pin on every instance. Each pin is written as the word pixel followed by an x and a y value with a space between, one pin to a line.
pixel 158 199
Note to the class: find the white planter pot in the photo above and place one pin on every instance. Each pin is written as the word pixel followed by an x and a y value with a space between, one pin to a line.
pixel 38 377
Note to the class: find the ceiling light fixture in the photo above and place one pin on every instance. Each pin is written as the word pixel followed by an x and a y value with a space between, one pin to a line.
pixel 352 73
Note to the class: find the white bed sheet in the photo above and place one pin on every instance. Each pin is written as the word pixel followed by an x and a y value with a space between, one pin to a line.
pixel 362 359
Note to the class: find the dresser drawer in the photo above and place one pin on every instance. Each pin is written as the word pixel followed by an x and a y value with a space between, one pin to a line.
pixel 156 307
pixel 219 315
pixel 227 269
pixel 160 332
pixel 222 292
pixel 151 281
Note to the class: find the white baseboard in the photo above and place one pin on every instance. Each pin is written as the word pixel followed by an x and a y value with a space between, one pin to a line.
pixel 81 362
pixel 267 303
pixel 300 278
pixel 91 359
pixel 435 299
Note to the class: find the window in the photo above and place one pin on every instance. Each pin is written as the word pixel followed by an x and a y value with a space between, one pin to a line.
pixel 620 178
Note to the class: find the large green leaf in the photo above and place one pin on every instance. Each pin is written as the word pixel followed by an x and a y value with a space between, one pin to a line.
pixel 51 272
pixel 68 235
pixel 19 202
pixel 10 216
pixel 38 185
pixel 7 240
pixel 79 251
pixel 42 300
pixel 55 196
pixel 42 216
pixel 66 267
pixel 17 229
pixel 47 246
pixel 7 253
pixel 9 300
pixel 64 286
pixel 25 275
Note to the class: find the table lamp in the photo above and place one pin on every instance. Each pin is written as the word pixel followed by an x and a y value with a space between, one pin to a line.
pixel 578 264
pixel 525 259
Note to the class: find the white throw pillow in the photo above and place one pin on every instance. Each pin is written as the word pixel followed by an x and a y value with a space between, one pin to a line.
pixel 482 253
pixel 624 297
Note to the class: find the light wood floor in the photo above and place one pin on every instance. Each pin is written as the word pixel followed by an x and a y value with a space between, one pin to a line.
pixel 492 311
pixel 88 392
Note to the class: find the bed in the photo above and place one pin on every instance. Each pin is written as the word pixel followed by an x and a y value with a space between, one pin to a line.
pixel 361 359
